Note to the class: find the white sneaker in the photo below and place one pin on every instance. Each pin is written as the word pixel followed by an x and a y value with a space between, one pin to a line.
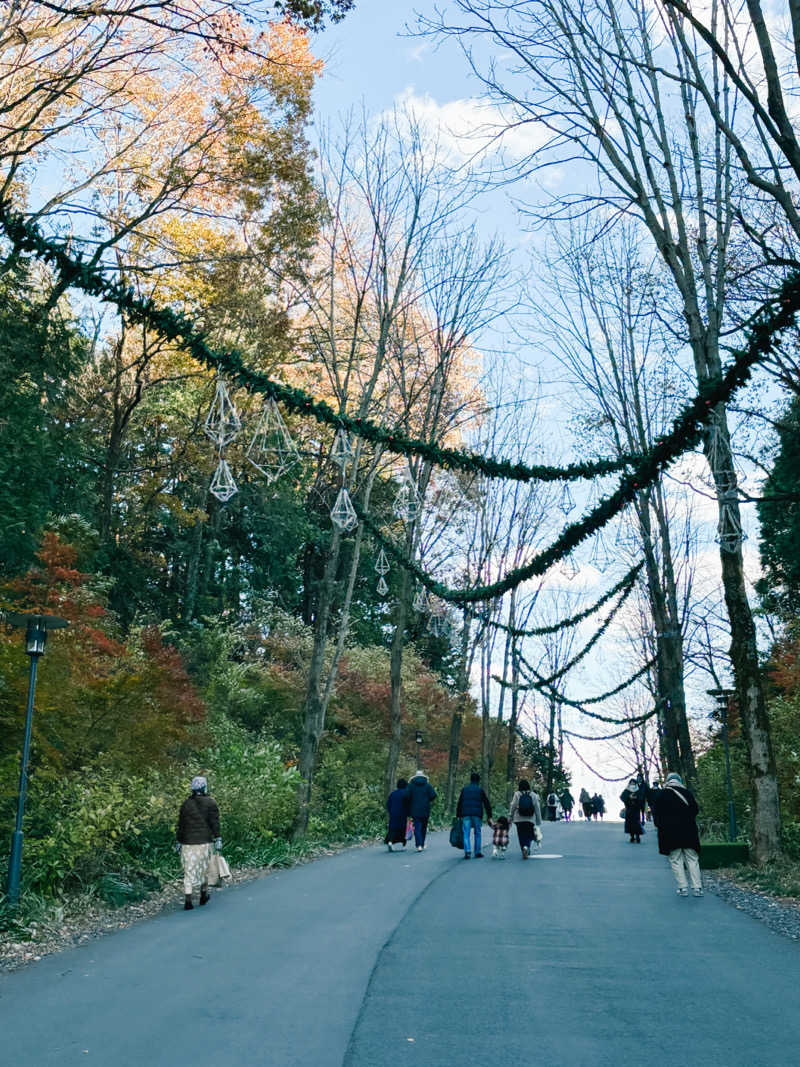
pixel 697 892
pixel 419 848
pixel 389 846
pixel 683 892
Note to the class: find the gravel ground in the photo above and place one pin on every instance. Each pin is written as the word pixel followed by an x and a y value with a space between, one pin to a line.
pixel 779 914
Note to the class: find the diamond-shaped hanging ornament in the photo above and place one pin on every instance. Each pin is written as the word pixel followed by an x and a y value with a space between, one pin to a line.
pixel 342 450
pixel 222 422
pixel 382 563
pixel 343 514
pixel 272 450
pixel 599 557
pixel 729 531
pixel 406 502
pixel 421 601
pixel 567 504
pixel 382 587
pixel 435 625
pixel 222 484
pixel 569 568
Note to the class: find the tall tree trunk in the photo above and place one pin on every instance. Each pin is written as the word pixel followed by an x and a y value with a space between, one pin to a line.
pixel 396 681
pixel 458 716
pixel 314 705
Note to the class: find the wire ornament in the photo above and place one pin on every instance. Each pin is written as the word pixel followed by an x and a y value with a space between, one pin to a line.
pixel 342 451
pixel 406 502
pixel 382 563
pixel 421 601
pixel 599 558
pixel 222 422
pixel 343 514
pixel 223 487
pixel 272 451
pixel 382 587
pixel 569 568
pixel 567 504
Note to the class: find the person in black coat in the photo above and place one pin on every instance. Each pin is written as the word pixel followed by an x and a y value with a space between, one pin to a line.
pixel 421 795
pixel 675 816
pixel 397 806
pixel 633 818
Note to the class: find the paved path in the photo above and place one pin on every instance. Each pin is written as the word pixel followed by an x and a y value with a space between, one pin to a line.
pixel 367 959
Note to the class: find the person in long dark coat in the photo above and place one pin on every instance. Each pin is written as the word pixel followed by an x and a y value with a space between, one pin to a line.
pixel 633 819
pixel 397 806
pixel 675 816
pixel 586 804
pixel 421 795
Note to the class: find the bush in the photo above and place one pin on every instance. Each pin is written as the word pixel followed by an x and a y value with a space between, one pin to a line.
pixel 715 854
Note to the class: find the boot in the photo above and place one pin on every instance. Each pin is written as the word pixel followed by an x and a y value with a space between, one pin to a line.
pixel 187 902
pixel 204 897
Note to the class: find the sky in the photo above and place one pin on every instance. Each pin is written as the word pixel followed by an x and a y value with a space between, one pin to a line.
pixel 372 61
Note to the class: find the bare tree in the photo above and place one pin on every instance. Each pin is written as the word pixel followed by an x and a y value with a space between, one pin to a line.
pixel 586 83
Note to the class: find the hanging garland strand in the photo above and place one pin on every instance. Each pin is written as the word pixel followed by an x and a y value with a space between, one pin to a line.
pixel 174 326
pixel 625 583
pixel 686 433
pixel 551 694
pixel 602 777
pixel 587 648
pixel 603 737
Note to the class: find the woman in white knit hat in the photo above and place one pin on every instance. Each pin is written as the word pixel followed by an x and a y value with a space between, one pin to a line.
pixel 198 827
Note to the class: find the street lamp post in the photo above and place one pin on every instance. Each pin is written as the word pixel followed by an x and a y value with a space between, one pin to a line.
pixel 723 698
pixel 418 739
pixel 36 627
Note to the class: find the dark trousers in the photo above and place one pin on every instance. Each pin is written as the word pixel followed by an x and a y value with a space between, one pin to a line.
pixel 420 831
pixel 525 834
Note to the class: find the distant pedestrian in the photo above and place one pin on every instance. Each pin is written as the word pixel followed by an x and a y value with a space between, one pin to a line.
pixel 586 804
pixel 397 807
pixel 500 837
pixel 421 795
pixel 472 802
pixel 633 821
pixel 675 815
pixel 552 806
pixel 526 814
pixel 198 827
pixel 567 803
pixel 598 806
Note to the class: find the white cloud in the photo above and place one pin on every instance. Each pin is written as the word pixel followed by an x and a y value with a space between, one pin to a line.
pixel 472 128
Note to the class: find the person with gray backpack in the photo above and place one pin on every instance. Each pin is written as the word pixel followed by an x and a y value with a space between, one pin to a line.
pixel 526 815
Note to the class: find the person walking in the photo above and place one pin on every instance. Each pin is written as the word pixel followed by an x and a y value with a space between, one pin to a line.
pixel 586 804
pixel 397 807
pixel 526 815
pixel 421 795
pixel 675 816
pixel 567 803
pixel 633 820
pixel 472 801
pixel 198 827
pixel 598 806
pixel 552 807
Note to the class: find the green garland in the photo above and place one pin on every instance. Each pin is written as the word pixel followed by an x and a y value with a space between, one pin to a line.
pixel 587 648
pixel 638 721
pixel 588 766
pixel 686 433
pixel 551 694
pixel 174 326
pixel 625 583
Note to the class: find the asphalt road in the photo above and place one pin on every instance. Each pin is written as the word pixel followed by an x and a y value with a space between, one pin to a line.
pixel 367 959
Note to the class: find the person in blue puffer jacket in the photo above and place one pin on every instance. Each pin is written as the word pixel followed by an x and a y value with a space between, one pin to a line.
pixel 472 802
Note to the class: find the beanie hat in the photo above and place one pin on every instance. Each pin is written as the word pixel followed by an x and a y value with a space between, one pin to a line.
pixel 675 779
pixel 199 784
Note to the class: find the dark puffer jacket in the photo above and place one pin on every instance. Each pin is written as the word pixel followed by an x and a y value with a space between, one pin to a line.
pixel 198 822
pixel 421 795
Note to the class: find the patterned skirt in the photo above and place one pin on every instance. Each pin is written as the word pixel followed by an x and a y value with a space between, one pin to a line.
pixel 195 860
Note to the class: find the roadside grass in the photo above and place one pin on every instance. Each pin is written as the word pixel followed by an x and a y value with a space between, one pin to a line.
pixel 780 878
